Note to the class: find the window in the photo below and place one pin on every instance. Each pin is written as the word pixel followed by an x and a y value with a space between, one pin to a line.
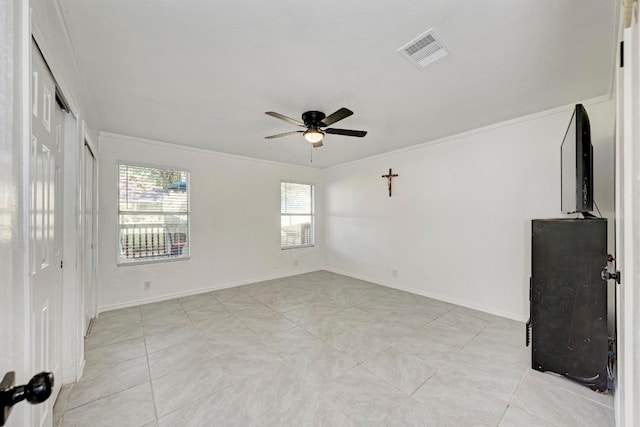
pixel 153 214
pixel 296 215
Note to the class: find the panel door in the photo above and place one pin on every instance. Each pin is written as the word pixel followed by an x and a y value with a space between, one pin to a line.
pixel 45 231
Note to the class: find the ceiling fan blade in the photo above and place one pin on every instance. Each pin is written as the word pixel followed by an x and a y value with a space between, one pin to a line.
pixel 285 118
pixel 283 134
pixel 342 113
pixel 346 132
pixel 317 144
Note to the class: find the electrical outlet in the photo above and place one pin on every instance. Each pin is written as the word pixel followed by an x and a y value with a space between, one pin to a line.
pixel 394 273
pixel 147 285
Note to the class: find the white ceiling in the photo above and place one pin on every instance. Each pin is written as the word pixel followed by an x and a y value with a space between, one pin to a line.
pixel 202 73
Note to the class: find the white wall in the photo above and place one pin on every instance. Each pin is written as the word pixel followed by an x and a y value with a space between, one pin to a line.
pixel 457 227
pixel 50 33
pixel 235 223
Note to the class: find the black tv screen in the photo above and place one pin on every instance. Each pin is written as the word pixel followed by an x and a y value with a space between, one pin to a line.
pixel 576 156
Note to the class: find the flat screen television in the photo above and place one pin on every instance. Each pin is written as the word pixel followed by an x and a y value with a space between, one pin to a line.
pixel 576 156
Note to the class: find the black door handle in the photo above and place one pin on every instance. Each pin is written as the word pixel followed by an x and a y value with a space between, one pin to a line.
pixel 606 275
pixel 36 391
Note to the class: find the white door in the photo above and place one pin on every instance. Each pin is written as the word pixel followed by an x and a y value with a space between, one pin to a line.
pixel 628 229
pixel 12 245
pixel 45 235
pixel 89 241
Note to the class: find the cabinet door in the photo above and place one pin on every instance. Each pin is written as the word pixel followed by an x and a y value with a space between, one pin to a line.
pixel 569 299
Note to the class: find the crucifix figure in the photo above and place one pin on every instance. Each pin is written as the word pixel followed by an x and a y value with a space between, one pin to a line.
pixel 389 177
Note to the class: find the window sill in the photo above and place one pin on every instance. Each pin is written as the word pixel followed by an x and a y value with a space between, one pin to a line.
pixel 286 248
pixel 152 261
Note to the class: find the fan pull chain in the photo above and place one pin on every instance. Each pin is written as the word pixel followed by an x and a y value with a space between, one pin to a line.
pixel 311 156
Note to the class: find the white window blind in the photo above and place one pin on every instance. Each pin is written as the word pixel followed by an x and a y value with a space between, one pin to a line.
pixel 296 215
pixel 153 214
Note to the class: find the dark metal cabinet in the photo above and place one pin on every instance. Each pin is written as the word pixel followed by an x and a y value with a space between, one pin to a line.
pixel 568 299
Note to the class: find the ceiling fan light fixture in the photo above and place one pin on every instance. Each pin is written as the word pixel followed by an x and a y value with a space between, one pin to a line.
pixel 313 135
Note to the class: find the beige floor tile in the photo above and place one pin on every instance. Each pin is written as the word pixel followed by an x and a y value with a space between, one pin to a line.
pixel 414 414
pixel 129 408
pixel 404 371
pixel 362 396
pixel 104 379
pixel 518 417
pixel 110 336
pixel 178 389
pixel 222 408
pixel 559 406
pixel 318 349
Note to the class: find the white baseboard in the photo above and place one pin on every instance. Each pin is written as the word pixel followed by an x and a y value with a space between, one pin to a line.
pixel 83 363
pixel 489 310
pixel 219 287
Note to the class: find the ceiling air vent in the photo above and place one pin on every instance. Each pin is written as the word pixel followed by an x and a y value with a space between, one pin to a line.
pixel 425 50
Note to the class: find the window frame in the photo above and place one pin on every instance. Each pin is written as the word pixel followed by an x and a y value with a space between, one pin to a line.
pixel 157 259
pixel 312 214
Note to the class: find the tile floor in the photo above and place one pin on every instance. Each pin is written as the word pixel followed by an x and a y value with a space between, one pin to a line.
pixel 316 349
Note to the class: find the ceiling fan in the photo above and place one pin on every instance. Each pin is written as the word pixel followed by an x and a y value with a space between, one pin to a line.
pixel 315 121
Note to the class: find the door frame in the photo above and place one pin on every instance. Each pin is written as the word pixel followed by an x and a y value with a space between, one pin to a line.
pixel 15 43
pixel 627 397
pixel 91 287
pixel 72 352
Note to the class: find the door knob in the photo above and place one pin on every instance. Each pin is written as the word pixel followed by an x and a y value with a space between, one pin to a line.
pixel 36 391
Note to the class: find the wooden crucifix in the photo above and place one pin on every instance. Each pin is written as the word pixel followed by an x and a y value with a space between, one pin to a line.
pixel 389 177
